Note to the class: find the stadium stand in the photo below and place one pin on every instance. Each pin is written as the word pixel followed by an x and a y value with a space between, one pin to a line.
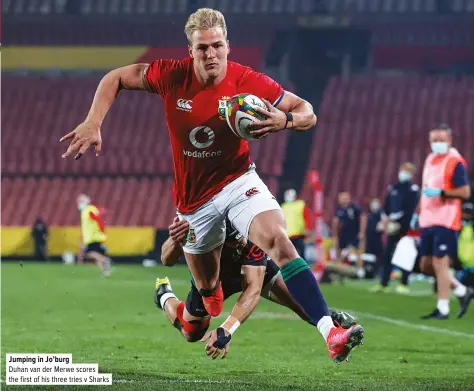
pixel 360 152
pixel 129 201
pixel 135 146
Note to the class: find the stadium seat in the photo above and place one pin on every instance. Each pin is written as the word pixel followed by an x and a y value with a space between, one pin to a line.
pixel 369 125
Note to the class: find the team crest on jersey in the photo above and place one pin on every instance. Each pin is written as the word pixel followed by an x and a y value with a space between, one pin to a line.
pixel 221 108
pixel 191 236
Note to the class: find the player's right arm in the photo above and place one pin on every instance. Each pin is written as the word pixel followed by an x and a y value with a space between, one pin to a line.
pixel 130 77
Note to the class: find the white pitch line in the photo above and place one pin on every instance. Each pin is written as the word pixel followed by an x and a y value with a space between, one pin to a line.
pixel 417 326
pixel 398 322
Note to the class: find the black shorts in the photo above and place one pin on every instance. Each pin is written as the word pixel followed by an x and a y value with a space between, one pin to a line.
pixel 97 247
pixel 230 285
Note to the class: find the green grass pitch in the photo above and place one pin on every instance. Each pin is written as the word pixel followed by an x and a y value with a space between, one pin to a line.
pixel 55 308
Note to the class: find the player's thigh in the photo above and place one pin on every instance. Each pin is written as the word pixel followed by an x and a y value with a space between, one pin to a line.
pixel 203 244
pixel 445 243
pixel 248 198
pixel 206 229
pixel 426 242
pixel 267 231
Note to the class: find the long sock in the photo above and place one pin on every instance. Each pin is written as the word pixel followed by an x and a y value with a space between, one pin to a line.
pixel 305 290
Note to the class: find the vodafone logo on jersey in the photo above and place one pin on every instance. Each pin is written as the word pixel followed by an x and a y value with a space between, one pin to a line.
pixel 201 130
pixel 184 105
pixel 202 137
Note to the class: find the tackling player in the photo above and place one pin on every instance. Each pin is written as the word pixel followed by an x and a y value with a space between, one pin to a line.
pixel 93 235
pixel 244 268
pixel 214 176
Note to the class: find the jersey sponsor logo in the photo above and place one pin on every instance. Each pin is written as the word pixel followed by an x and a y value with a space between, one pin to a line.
pixel 207 137
pixel 211 136
pixel 202 155
pixel 251 192
pixel 184 105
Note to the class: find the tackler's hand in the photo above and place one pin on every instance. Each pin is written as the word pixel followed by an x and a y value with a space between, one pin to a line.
pixel 219 342
pixel 178 230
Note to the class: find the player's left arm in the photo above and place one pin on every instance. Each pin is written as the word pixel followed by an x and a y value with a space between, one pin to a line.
pixel 301 111
pixel 292 112
pixel 460 182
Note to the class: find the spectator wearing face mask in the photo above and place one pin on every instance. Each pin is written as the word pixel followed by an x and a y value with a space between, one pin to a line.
pixel 445 187
pixel 400 205
pixel 373 237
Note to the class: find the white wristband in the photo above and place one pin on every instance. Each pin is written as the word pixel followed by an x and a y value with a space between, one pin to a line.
pixel 231 324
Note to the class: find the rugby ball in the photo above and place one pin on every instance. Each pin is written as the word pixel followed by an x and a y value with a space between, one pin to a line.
pixel 240 113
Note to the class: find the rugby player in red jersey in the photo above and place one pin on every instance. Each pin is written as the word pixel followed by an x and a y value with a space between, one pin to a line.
pixel 244 268
pixel 214 175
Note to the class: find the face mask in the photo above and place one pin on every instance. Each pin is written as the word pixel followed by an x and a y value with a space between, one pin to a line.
pixel 81 207
pixel 440 147
pixel 404 176
pixel 374 207
pixel 290 195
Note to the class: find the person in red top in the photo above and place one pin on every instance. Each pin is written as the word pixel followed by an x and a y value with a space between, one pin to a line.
pixel 214 174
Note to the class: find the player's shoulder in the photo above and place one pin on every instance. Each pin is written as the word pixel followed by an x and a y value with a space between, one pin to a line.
pixel 239 72
pixel 92 208
pixel 170 64
pixel 171 69
pixel 243 73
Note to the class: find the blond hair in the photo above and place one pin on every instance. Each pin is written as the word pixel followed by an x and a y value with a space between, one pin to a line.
pixel 409 166
pixel 204 19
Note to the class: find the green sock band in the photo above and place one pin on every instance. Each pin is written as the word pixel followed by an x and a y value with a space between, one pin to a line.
pixel 293 268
